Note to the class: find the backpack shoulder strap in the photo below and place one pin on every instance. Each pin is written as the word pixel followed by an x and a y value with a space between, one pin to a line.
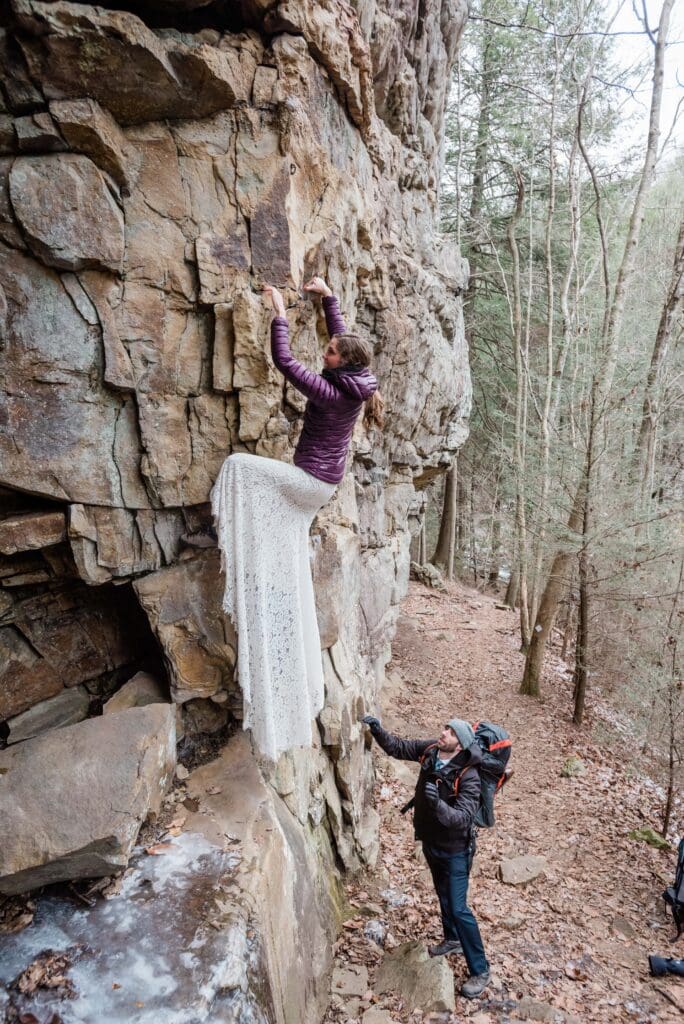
pixel 459 776
pixel 423 756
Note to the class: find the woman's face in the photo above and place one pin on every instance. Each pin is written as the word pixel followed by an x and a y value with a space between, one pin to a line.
pixel 331 357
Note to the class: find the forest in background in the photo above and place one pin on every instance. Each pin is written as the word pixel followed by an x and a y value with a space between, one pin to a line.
pixel 568 493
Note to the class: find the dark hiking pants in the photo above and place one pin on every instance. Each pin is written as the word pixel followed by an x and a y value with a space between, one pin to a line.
pixel 450 873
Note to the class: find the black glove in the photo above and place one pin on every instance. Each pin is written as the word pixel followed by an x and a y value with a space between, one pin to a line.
pixel 431 793
pixel 372 723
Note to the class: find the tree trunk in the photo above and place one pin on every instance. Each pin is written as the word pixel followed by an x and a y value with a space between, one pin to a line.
pixel 520 401
pixel 462 539
pixel 672 746
pixel 645 181
pixel 568 625
pixel 443 557
pixel 471 527
pixel 493 575
pixel 674 708
pixel 513 590
pixel 545 419
pixel 674 303
pixel 581 676
pixel 422 540
pixel 548 606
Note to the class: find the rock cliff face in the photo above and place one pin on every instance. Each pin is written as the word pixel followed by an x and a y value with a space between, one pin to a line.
pixel 155 168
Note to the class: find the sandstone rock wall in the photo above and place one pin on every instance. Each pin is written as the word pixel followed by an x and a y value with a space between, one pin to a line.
pixel 155 168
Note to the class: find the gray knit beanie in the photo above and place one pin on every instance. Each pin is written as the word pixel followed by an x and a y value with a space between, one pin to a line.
pixel 464 731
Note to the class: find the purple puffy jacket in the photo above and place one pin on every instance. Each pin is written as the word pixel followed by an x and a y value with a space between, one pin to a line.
pixel 334 401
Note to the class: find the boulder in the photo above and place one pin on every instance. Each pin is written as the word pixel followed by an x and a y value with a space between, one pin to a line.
pixel 115 542
pixel 184 604
pixel 67 708
pixel 375 931
pixel 621 927
pixel 26 678
pixel 185 442
pixel 8 138
pixel 138 692
pixel 72 800
pixel 513 921
pixel 649 836
pixel 428 575
pixel 88 449
pixel 195 933
pixel 81 225
pixel 90 129
pixel 533 1009
pixel 28 531
pixel 38 133
pixel 422 982
pixel 332 31
pixel 350 981
pixel 572 767
pixel 234 156
pixel 376 1015
pixel 522 870
pixel 202 716
pixel 77 50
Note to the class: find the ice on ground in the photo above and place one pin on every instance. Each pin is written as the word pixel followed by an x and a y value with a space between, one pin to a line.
pixel 164 948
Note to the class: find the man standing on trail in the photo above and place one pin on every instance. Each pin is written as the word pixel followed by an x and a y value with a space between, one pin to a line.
pixel 445 803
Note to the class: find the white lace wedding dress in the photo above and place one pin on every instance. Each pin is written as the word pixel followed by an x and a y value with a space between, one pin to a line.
pixel 263 511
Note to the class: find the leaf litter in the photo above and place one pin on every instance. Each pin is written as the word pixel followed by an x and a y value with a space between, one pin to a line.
pixel 570 947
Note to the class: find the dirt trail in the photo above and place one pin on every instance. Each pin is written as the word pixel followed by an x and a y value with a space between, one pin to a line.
pixel 576 940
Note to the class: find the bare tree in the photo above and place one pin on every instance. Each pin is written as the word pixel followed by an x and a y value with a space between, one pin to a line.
pixel 520 400
pixel 672 308
pixel 444 554
pixel 603 376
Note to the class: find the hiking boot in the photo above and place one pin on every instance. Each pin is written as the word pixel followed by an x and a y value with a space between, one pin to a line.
pixel 448 946
pixel 475 985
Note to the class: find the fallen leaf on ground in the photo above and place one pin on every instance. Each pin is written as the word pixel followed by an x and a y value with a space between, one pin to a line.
pixel 158 848
pixel 47 972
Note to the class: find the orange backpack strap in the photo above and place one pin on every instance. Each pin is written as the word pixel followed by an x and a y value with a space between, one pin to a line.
pixel 426 752
pixel 460 775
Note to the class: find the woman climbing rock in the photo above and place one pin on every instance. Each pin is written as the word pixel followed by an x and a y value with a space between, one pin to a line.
pixel 264 508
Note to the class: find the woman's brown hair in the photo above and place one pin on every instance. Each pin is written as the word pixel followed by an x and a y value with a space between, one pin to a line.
pixel 356 351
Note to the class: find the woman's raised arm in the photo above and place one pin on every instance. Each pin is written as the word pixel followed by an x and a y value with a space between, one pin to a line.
pixel 331 307
pixel 310 384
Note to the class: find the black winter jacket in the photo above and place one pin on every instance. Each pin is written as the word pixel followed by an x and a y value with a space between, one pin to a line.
pixel 447 826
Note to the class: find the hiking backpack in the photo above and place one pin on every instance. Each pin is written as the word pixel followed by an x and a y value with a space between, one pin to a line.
pixel 496 751
pixel 674 894
pixel 495 744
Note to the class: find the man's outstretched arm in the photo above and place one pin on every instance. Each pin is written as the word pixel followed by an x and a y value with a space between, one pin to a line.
pixel 405 750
